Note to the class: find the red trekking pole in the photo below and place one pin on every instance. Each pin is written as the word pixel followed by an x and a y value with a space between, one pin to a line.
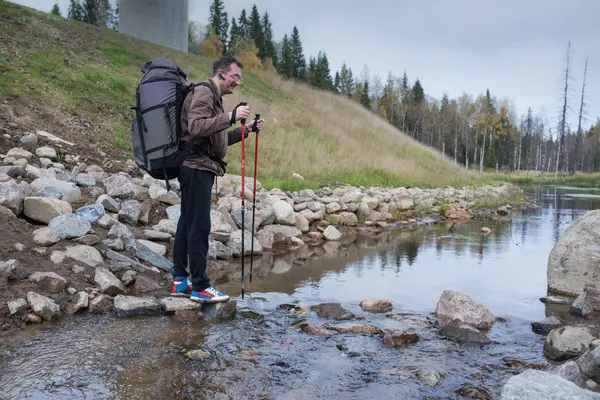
pixel 256 130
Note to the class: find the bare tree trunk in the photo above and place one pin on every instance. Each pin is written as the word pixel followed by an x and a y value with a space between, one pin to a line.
pixel 482 155
pixel 563 119
pixel 455 146
pixel 579 133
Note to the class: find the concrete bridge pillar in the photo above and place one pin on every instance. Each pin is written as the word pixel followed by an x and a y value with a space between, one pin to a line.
pixel 164 22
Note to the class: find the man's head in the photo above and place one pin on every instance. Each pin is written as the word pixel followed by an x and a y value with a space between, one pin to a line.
pixel 227 74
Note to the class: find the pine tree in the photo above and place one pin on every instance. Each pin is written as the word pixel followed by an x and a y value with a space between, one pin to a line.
pixel 243 25
pixel 75 11
pixel 365 100
pixel 323 74
pixel 256 32
pixel 298 56
pixel 346 81
pixel 268 50
pixel 337 82
pixel 311 75
pixel 286 66
pixel 418 95
pixel 219 21
pixel 55 10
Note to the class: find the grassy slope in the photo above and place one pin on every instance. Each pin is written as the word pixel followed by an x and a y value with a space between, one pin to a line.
pixel 61 69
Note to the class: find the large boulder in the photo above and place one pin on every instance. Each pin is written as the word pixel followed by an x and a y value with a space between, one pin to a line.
pixel 534 384
pixel 573 262
pixel 457 306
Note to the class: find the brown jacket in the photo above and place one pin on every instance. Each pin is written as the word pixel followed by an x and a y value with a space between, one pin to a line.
pixel 205 124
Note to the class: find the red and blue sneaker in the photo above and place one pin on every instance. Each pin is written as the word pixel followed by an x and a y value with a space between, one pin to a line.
pixel 208 295
pixel 181 287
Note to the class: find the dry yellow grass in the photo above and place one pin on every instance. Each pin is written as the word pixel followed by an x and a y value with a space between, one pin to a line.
pixel 84 70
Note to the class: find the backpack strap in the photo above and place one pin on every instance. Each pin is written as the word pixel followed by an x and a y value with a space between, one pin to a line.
pixel 208 85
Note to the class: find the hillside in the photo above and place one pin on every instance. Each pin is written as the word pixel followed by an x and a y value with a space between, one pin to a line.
pixel 78 81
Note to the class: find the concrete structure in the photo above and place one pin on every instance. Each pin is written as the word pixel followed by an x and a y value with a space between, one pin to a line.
pixel 163 22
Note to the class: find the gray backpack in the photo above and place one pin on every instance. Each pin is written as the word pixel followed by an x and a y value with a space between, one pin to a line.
pixel 156 127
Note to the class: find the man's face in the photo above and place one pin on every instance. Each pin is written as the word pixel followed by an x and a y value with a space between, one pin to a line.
pixel 233 78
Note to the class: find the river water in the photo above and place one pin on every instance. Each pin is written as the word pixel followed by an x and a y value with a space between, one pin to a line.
pixel 263 354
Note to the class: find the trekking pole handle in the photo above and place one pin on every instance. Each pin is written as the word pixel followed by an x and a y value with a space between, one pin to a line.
pixel 256 118
pixel 243 103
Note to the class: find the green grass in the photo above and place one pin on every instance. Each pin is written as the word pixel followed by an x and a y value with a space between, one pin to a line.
pixel 535 178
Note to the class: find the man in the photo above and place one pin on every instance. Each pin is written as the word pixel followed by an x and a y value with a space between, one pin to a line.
pixel 205 126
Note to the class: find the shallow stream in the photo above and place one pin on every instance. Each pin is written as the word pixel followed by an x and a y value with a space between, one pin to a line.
pixel 263 354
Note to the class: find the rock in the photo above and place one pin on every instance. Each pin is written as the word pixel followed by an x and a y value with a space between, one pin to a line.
pixel 353 328
pixel 376 305
pixel 17 306
pixel 101 304
pixel 130 212
pixel 45 236
pixel 456 306
pixel 315 330
pixel 173 304
pixel 429 378
pixel 198 354
pixel 91 213
pixel 533 384
pixel 121 185
pixel 573 260
pixel 589 364
pixel 34 319
pixel 221 311
pixel 17 153
pixel 143 252
pixel 70 192
pixel 331 233
pixel 46 152
pixel 157 236
pixel 109 204
pixel 129 306
pixel 218 251
pixel 544 326
pixel 464 333
pixel 49 281
pixel 109 284
pixel 69 225
pixel 12 195
pixel 128 277
pixel 12 270
pixel 220 226
pixel 502 210
pixel 84 254
pixel 284 213
pixel 459 214
pixel 332 310
pixel 568 342
pixel 485 230
pixel 399 338
pixel 44 209
pixel 554 300
pixel 43 306
pixel 587 304
pixel 159 249
pixel 235 244
pixel 89 240
pixel 145 284
pixel 570 371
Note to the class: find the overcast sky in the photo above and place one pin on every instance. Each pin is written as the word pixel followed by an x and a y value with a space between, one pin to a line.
pixel 516 48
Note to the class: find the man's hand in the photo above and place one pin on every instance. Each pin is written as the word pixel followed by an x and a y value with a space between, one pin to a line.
pixel 242 112
pixel 259 125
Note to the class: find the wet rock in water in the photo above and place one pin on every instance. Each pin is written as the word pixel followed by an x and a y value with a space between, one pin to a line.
pixel 574 258
pixel 587 304
pixel 332 310
pixel 81 303
pixel 173 304
pixel 568 342
pixel 570 371
pixel 399 338
pixel 101 304
pixel 109 284
pixel 464 333
pixel 546 325
pixel 129 306
pixel 533 384
pixel 221 310
pixel 410 322
pixel 429 378
pixel 43 306
pixel 49 281
pixel 457 306
pixel 473 392
pixel 554 300
pixel 198 354
pixel 188 315
pixel 331 233
pixel 589 364
pixel 315 330
pixel 291 307
pixel 376 305
pixel 354 328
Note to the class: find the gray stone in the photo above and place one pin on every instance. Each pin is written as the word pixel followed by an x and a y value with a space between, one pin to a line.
pixel 568 342
pixel 91 213
pixel 235 244
pixel 570 371
pixel 144 253
pixel 45 209
pixel 587 304
pixel 45 236
pixel 70 192
pixel 464 333
pixel 129 306
pixel 108 283
pixel 376 305
pixel 43 306
pixel 218 251
pixel 573 262
pixel 457 306
pixel 332 310
pixel 12 270
pixel 12 195
pixel 589 364
pixel 130 212
pixel 128 277
pixel 17 306
pixel 173 304
pixel 109 204
pixel 70 225
pixel 534 385
pixel 49 281
pixel 544 326
pixel 85 254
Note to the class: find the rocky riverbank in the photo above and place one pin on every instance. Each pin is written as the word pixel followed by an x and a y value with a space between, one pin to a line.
pixel 82 237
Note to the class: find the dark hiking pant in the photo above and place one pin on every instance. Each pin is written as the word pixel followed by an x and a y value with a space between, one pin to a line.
pixel 193 228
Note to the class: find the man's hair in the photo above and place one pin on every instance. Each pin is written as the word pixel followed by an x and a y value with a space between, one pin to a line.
pixel 224 62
